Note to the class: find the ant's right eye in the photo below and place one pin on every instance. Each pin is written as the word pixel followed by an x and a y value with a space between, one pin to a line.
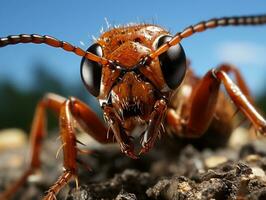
pixel 173 62
pixel 91 72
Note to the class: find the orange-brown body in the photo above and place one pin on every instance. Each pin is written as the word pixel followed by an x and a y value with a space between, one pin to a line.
pixel 140 76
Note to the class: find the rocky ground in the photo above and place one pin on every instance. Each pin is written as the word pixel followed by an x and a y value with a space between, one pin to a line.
pixel 172 170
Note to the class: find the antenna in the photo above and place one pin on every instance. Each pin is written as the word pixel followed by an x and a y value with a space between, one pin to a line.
pixel 39 39
pixel 212 23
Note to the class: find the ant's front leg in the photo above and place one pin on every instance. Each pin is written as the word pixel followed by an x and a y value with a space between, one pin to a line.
pixel 67 109
pixel 204 99
pixel 38 131
pixel 90 123
pixel 69 147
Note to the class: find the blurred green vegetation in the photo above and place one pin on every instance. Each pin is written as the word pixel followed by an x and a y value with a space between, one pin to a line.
pixel 18 105
pixel 261 101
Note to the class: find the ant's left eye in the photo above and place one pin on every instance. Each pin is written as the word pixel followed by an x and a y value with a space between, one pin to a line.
pixel 91 71
pixel 173 62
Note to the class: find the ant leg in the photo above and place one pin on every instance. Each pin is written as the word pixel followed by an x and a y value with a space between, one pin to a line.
pixel 241 101
pixel 228 68
pixel 203 102
pixel 204 99
pixel 75 110
pixel 89 122
pixel 174 121
pixel 36 136
pixel 68 138
pixel 65 109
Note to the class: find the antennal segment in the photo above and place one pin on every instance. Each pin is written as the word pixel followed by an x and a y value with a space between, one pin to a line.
pixel 39 39
pixel 212 23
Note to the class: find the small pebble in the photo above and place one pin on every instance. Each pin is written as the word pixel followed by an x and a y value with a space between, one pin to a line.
pixel 214 161
pixel 252 158
pixel 184 187
pixel 12 138
pixel 239 137
pixel 126 196
pixel 258 172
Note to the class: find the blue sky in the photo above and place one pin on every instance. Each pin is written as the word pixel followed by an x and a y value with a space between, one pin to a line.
pixel 77 21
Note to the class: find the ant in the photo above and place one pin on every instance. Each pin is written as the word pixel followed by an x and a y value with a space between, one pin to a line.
pixel 143 81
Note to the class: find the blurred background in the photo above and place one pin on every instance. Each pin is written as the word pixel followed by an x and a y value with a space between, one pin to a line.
pixel 28 71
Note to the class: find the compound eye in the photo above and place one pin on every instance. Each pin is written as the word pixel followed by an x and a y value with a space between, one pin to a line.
pixel 91 72
pixel 173 63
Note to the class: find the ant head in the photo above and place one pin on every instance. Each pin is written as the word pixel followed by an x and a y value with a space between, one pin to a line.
pixel 128 49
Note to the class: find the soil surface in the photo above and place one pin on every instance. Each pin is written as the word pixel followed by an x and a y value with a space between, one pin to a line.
pixel 174 169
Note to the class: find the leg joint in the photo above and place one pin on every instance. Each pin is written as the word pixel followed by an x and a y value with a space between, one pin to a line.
pixel 214 73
